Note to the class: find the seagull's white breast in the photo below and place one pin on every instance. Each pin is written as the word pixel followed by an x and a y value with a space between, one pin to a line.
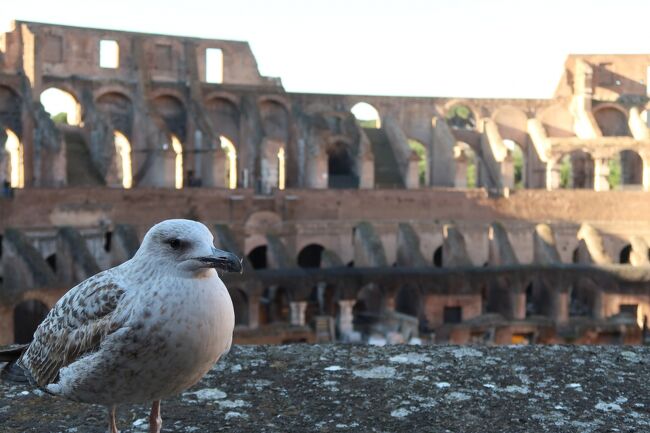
pixel 177 329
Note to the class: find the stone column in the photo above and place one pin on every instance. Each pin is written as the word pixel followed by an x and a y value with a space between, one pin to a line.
pixel 346 316
pixel 460 179
pixel 646 172
pixel 601 174
pixel 552 176
pixel 298 313
pixel 254 311
pixel 561 307
pixel 518 305
pixel 598 311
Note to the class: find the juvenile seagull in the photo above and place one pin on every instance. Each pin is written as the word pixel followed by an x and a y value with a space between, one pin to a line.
pixel 140 332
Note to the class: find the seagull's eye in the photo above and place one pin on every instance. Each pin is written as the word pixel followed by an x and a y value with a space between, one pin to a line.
pixel 174 243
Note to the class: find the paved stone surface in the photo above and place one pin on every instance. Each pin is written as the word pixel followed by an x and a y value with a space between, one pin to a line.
pixel 338 388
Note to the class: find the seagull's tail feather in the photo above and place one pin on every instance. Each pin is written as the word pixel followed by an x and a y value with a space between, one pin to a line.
pixel 13 372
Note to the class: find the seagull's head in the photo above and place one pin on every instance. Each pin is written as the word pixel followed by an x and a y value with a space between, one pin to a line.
pixel 186 246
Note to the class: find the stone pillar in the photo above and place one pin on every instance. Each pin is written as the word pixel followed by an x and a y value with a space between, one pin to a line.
pixel 601 174
pixel 346 316
pixel 561 307
pixel 6 325
pixel 254 311
pixel 646 172
pixel 460 179
pixel 518 305
pixel 598 311
pixel 298 313
pixel 552 176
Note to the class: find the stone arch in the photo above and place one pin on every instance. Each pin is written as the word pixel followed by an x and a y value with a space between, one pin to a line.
pixel 624 254
pixel 512 124
pixel 117 106
pixel 557 120
pixel 461 115
pixel 576 170
pixel 275 119
pixel 224 114
pixel 408 301
pixel 123 167
pixel 341 171
pixel 310 256
pixel 12 157
pixel 171 109
pixel 275 302
pixel 423 164
pixel 612 120
pixel 27 316
pixel 366 114
pixel 438 257
pixel 518 159
pixel 369 305
pixel 240 305
pixel 10 110
pixel 258 257
pixel 231 161
pixel 62 105
pixel 272 165
pixel 626 169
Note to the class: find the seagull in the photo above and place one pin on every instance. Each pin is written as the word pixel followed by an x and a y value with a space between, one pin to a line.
pixel 139 332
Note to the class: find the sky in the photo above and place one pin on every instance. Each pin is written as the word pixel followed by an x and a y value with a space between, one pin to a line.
pixel 465 48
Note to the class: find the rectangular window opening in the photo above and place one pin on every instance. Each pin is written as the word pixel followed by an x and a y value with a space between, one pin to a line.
pixel 214 65
pixel 109 54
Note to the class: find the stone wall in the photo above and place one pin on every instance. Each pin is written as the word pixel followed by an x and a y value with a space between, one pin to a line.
pixel 360 388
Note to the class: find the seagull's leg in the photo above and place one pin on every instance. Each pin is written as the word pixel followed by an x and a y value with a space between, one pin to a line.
pixel 155 421
pixel 112 427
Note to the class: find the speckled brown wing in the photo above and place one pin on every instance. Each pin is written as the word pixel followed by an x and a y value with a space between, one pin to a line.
pixel 75 327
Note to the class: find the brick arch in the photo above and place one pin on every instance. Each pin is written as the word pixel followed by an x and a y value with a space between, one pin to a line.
pixel 277 99
pixel 512 123
pixel 219 94
pixel 612 119
pixel 112 88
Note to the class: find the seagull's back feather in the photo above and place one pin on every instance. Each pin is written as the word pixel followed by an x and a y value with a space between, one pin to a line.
pixel 75 327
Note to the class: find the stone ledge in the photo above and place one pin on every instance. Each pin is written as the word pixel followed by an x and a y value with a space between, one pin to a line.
pixel 337 388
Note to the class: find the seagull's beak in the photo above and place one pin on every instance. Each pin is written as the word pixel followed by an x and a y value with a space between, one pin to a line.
pixel 222 260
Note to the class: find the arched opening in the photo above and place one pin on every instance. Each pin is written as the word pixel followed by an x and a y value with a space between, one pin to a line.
pixel 123 154
pixel 282 167
pixel 275 120
pixel 117 108
pixel 437 257
pixel 240 305
pixel 460 116
pixel 423 163
pixel 108 241
pixel 368 307
pixel 624 255
pixel 518 163
pixel 14 167
pixel 27 316
pixel 177 146
pixel 61 106
pixel 172 111
pixel 408 301
pixel 275 302
pixel 612 122
pixel 51 261
pixel 231 162
pixel 340 167
pixel 626 170
pixel 366 115
pixel 257 257
pixel 273 166
pixel 466 166
pixel 577 170
pixel 310 256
